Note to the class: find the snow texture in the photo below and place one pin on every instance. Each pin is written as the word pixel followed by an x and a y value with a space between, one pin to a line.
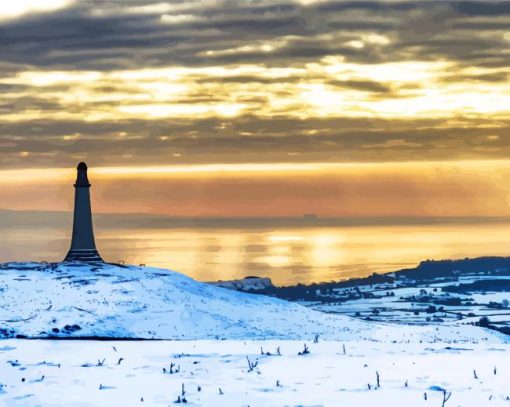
pixel 40 300
pixel 54 373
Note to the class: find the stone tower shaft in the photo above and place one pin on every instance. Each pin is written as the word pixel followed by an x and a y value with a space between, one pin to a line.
pixel 83 246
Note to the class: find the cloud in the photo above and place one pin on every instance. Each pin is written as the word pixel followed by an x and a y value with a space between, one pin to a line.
pixel 18 8
pixel 249 139
pixel 276 32
pixel 394 143
pixel 273 80
pixel 133 30
pixel 366 86
pixel 178 18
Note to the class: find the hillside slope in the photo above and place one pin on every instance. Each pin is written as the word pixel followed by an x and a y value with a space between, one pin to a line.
pixel 73 300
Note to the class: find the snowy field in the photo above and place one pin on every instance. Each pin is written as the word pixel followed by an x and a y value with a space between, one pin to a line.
pixel 130 373
pixel 218 347
pixel 422 304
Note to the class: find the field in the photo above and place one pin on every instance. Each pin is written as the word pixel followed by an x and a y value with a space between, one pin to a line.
pixel 431 303
pixel 137 373
pixel 210 346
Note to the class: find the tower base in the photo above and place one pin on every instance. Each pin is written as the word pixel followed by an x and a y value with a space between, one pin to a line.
pixel 84 256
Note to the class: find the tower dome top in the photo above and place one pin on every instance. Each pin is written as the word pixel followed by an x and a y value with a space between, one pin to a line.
pixel 81 178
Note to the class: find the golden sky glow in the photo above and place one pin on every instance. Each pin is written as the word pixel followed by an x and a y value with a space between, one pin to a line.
pixel 262 107
pixel 419 89
pixel 250 169
pixel 411 189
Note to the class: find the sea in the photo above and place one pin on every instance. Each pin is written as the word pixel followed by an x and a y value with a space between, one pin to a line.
pixel 288 255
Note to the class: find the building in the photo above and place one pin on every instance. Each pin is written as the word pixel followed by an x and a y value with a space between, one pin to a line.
pixel 83 246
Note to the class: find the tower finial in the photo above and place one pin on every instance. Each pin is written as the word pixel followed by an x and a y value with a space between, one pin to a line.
pixel 81 177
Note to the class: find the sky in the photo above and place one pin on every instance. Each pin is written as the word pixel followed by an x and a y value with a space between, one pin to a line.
pixel 257 108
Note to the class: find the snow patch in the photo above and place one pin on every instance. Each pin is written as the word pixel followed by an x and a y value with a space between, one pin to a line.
pixel 40 300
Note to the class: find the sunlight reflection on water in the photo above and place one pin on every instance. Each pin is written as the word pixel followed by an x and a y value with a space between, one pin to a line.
pixel 287 256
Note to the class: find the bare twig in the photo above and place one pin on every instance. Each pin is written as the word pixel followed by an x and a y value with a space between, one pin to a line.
pixel 446 397
pixel 251 365
pixel 305 351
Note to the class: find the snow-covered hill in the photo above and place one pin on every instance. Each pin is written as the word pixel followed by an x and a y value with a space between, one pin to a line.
pixel 71 300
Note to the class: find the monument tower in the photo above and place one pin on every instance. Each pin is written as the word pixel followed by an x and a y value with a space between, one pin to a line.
pixel 83 247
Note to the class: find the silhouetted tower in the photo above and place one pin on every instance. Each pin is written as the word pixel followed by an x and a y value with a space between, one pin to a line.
pixel 83 247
